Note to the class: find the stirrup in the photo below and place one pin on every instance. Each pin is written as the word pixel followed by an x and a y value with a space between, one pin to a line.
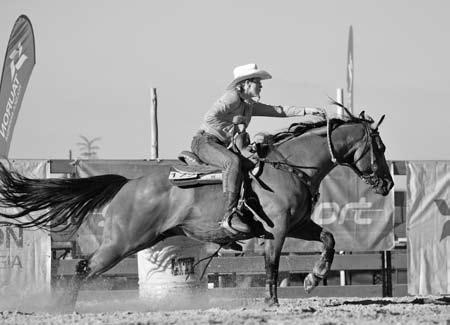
pixel 226 223
pixel 234 246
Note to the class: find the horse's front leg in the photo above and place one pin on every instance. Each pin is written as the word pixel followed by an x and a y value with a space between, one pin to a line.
pixel 312 231
pixel 272 252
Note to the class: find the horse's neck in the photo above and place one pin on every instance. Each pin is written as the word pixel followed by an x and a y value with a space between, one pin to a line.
pixel 310 152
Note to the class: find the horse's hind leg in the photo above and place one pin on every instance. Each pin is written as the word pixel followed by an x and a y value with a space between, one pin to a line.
pixel 72 289
pixel 312 231
pixel 104 258
pixel 112 252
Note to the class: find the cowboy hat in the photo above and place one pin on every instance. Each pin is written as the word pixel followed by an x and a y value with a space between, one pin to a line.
pixel 247 71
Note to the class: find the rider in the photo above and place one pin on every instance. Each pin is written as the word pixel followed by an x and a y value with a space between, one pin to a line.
pixel 211 142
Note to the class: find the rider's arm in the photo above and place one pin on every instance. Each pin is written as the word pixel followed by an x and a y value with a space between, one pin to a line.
pixel 260 109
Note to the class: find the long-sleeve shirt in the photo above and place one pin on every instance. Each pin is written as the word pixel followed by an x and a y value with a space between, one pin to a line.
pixel 218 121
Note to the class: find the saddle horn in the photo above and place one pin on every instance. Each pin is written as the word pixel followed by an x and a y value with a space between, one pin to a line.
pixel 239 119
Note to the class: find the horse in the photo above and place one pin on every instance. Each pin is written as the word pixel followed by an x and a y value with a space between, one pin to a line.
pixel 146 210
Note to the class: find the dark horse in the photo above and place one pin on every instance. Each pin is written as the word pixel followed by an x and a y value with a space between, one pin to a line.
pixel 148 209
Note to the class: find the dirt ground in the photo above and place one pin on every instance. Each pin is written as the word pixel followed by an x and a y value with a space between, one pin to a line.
pixel 201 310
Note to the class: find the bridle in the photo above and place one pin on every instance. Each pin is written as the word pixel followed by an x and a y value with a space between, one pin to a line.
pixel 371 135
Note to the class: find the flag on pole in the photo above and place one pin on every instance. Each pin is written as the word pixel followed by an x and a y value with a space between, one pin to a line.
pixel 17 68
pixel 350 70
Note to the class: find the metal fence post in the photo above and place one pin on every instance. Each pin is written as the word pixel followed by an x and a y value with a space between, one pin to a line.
pixel 386 265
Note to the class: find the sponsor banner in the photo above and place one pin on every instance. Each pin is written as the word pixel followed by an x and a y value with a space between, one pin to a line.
pixel 359 219
pixel 428 227
pixel 25 254
pixel 17 68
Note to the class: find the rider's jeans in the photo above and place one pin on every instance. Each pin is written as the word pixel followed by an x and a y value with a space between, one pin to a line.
pixel 212 151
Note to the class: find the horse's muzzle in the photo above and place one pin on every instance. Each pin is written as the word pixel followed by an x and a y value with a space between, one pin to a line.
pixel 384 187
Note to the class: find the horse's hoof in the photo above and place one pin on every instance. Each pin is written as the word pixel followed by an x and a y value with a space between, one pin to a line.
pixel 271 302
pixel 311 281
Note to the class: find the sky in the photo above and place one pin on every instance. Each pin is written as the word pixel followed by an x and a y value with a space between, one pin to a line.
pixel 96 62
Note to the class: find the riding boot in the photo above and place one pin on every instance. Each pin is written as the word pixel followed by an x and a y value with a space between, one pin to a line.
pixel 232 220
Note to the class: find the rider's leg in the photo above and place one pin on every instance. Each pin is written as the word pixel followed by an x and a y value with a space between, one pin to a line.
pixel 232 220
pixel 212 151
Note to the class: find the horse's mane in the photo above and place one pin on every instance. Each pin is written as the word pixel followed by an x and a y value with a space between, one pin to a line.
pixel 297 129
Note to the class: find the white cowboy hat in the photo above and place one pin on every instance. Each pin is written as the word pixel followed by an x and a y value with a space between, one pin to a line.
pixel 247 71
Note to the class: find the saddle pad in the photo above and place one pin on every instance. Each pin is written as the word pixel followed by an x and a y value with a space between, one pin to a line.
pixel 191 176
pixel 196 169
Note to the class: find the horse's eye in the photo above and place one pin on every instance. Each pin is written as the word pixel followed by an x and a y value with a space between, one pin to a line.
pixel 374 167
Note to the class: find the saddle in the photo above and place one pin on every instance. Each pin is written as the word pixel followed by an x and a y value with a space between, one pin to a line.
pixel 193 171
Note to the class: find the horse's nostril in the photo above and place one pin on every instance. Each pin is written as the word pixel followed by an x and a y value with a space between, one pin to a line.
pixel 388 184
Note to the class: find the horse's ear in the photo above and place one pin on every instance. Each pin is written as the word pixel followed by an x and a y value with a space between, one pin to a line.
pixel 362 115
pixel 379 122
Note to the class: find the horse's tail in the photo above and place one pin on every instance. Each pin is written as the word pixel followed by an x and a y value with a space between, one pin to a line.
pixel 64 203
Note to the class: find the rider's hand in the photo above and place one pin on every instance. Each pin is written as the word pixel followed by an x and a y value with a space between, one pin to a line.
pixel 315 111
pixel 241 128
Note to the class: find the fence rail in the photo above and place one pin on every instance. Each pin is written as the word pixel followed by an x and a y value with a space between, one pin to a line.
pixel 254 265
pixel 303 263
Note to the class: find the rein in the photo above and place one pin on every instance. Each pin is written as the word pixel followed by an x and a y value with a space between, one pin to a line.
pixel 286 166
pixel 297 170
pixel 209 258
pixel 330 145
pixel 291 168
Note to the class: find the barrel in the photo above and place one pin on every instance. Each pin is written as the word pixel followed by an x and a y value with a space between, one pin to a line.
pixel 168 268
